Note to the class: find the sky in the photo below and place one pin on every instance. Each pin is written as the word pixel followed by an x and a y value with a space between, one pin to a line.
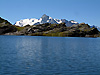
pixel 87 11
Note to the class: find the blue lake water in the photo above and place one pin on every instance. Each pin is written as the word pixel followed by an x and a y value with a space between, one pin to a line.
pixel 38 55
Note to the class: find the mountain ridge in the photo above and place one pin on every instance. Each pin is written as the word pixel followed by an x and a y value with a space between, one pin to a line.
pixel 44 19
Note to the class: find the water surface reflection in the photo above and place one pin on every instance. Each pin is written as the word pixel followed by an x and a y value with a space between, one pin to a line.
pixel 27 55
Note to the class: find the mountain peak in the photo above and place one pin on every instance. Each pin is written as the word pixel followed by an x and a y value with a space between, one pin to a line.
pixel 45 16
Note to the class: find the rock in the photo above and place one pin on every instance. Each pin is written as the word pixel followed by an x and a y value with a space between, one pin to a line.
pixel 7 28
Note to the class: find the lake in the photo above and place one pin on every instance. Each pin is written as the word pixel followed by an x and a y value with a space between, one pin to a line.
pixel 39 55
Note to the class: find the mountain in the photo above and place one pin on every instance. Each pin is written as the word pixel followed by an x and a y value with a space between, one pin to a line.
pixel 48 26
pixel 48 29
pixel 4 22
pixel 6 27
pixel 44 19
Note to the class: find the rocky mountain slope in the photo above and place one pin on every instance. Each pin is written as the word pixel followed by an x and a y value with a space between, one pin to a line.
pixel 6 27
pixel 44 19
pixel 48 29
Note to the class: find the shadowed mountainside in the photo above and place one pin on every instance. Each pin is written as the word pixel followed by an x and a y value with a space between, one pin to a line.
pixel 6 27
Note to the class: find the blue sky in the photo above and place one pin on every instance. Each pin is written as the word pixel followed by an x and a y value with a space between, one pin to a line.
pixel 87 11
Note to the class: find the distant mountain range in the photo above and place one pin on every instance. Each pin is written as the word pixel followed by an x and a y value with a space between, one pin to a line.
pixel 44 19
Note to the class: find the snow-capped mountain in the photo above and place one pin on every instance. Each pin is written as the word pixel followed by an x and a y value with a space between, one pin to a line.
pixel 44 19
